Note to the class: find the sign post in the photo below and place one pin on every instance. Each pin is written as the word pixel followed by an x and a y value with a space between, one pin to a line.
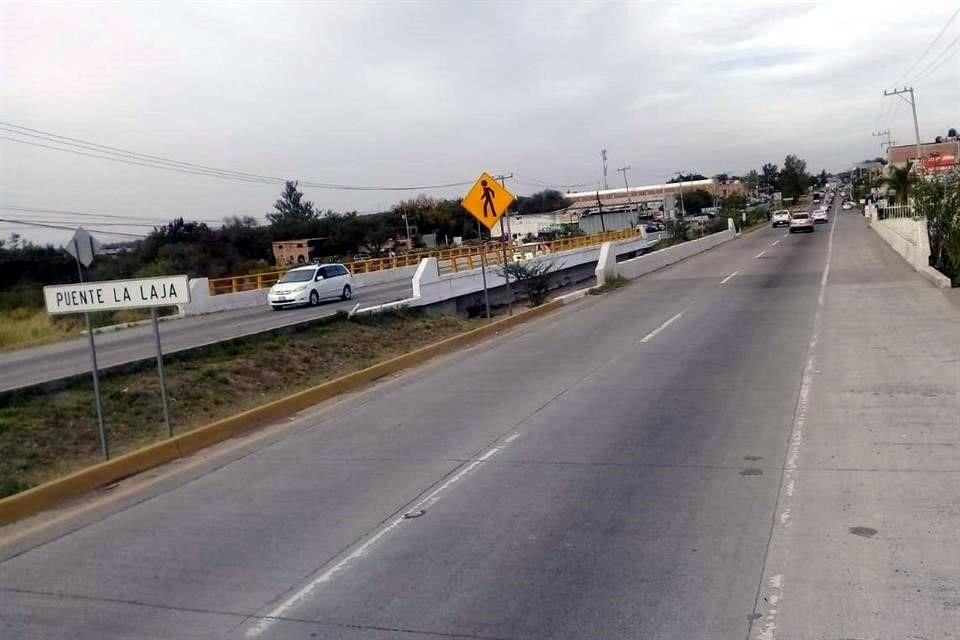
pixel 163 383
pixel 83 247
pixel 141 293
pixel 487 201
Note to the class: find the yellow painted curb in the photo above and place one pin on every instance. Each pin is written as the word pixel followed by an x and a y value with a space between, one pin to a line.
pixel 50 494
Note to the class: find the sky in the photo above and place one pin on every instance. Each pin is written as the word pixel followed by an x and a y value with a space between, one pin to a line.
pixel 414 94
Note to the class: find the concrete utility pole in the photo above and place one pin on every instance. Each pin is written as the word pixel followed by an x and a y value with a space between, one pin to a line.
pixel 603 157
pixel 624 170
pixel 913 106
pixel 507 239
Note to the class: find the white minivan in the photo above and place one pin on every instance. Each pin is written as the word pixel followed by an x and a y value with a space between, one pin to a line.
pixel 310 284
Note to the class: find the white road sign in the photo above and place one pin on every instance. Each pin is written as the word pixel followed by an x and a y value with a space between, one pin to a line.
pixel 82 246
pixel 116 294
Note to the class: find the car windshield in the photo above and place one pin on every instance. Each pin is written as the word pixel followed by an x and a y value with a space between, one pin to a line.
pixel 297 275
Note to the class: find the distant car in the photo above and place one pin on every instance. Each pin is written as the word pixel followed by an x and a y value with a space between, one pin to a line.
pixel 847 206
pixel 820 216
pixel 650 228
pixel 800 221
pixel 781 217
pixel 311 284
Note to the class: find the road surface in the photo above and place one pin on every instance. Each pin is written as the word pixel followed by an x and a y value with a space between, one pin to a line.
pixel 25 367
pixel 760 442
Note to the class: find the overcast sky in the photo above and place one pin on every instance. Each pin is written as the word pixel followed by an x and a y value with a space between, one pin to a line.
pixel 406 94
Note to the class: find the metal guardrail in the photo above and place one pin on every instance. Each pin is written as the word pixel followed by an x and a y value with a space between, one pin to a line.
pixel 448 260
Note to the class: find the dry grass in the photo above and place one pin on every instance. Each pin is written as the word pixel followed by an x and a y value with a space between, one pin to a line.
pixel 28 327
pixel 45 434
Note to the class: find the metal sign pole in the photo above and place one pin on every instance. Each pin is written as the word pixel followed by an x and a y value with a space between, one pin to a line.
pixel 506 272
pixel 163 384
pixel 104 446
pixel 483 270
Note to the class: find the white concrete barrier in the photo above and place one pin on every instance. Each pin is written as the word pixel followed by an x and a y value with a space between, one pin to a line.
pixel 909 238
pixel 640 265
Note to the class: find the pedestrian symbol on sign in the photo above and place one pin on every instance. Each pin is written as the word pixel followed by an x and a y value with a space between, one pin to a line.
pixel 488 197
pixel 487 201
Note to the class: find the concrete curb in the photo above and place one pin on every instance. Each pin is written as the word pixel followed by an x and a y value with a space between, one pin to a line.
pixel 50 494
pixel 128 325
pixel 938 279
pixel 574 295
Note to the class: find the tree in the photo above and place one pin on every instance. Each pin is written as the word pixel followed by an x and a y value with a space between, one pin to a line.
pixel 378 234
pixel 938 200
pixel 752 180
pixel 771 177
pixel 294 217
pixel 695 202
pixel 722 177
pixel 824 178
pixel 686 177
pixel 543 202
pixel 793 178
pixel 897 179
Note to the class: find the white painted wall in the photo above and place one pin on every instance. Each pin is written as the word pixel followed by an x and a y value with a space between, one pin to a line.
pixel 640 265
pixel 909 238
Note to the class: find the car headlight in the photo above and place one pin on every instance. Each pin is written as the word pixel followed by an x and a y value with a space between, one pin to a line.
pixel 301 287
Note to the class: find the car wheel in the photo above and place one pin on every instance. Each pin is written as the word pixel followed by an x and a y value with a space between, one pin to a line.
pixel 347 292
pixel 275 307
pixel 314 298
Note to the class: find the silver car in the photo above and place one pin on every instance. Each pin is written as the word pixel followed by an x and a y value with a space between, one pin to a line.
pixel 800 221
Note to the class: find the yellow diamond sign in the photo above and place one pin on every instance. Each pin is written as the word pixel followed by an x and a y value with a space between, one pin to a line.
pixel 487 200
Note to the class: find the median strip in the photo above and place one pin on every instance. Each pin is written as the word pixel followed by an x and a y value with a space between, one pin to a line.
pixel 16 444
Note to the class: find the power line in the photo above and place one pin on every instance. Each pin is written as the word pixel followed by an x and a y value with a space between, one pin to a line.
pixel 927 50
pixel 55 226
pixel 126 156
pixel 87 214
pixel 939 60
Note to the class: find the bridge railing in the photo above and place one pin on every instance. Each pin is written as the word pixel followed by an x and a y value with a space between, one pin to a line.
pixel 454 260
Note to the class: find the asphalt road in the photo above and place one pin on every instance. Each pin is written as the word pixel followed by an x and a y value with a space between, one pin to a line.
pixel 25 367
pixel 759 442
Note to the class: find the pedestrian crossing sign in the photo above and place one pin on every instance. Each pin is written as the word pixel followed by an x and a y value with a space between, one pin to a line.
pixel 487 200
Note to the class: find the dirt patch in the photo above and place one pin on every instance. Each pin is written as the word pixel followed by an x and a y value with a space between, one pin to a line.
pixel 46 434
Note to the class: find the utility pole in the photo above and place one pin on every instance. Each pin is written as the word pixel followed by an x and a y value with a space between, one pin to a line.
pixel 885 132
pixel 507 239
pixel 913 105
pixel 624 170
pixel 603 157
pixel 409 239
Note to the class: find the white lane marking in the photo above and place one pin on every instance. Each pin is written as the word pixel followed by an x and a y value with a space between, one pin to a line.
pixel 786 234
pixel 653 334
pixel 777 550
pixel 760 255
pixel 724 281
pixel 774 243
pixel 266 621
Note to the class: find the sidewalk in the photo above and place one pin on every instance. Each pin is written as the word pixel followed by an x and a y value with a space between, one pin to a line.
pixel 871 536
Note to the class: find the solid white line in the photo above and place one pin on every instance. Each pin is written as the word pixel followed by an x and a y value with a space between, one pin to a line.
pixel 759 255
pixel 650 336
pixel 429 500
pixel 788 485
pixel 774 243
pixel 724 281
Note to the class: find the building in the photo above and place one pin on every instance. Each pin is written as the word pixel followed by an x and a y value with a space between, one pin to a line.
pixel 615 209
pixel 293 252
pixel 901 154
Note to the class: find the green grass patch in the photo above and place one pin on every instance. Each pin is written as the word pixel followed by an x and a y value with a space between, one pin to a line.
pixel 44 434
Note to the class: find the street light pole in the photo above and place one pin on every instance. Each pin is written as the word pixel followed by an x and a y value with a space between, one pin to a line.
pixel 624 170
